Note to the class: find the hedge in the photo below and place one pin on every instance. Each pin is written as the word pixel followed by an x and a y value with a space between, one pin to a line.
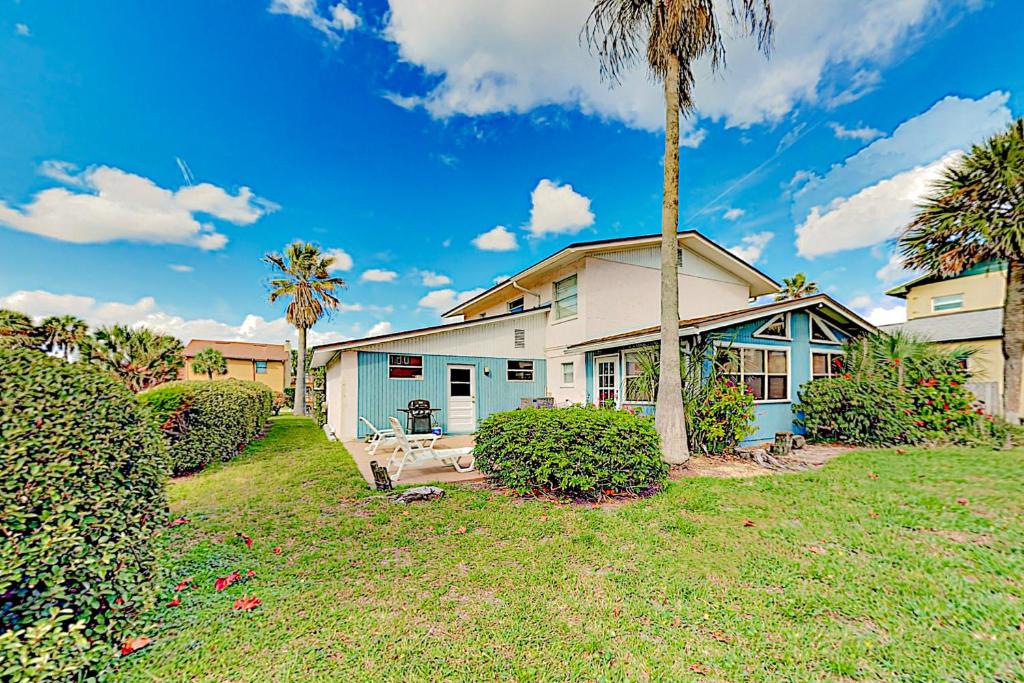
pixel 205 422
pixel 856 412
pixel 578 451
pixel 81 496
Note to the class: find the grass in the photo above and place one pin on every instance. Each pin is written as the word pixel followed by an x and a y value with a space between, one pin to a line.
pixel 844 576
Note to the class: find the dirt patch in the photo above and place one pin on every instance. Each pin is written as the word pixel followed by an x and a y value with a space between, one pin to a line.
pixel 961 537
pixel 731 467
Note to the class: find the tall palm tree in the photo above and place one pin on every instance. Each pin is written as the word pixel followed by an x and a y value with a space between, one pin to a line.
pixel 669 37
pixel 64 333
pixel 303 278
pixel 796 287
pixel 138 357
pixel 210 361
pixel 16 329
pixel 975 213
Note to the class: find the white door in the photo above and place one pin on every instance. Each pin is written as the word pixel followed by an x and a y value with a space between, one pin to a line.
pixel 461 399
pixel 606 375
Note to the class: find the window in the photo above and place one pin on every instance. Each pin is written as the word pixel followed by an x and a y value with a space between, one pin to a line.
pixel 568 374
pixel 520 371
pixel 950 302
pixel 776 328
pixel 821 331
pixel 520 339
pixel 764 371
pixel 637 389
pixel 460 382
pixel 565 298
pixel 826 364
pixel 261 367
pixel 516 305
pixel 405 367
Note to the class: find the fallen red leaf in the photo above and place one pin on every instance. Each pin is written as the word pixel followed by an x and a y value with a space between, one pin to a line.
pixel 872 514
pixel 962 501
pixel 748 522
pixel 175 602
pixel 461 530
pixel 135 644
pixel 721 637
pixel 817 549
pixel 872 475
pixel 223 582
pixel 183 585
pixel 179 521
pixel 676 621
pixel 251 573
pixel 247 603
pixel 247 539
pixel 698 668
pixel 277 550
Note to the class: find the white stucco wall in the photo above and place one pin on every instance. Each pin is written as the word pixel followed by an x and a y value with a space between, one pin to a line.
pixel 562 393
pixel 342 395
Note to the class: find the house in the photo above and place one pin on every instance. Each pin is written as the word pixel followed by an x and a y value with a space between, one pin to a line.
pixel 565 327
pixel 268 364
pixel 964 311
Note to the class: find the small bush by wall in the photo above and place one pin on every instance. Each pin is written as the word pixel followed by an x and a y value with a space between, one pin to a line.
pixel 720 417
pixel 204 422
pixel 857 412
pixel 81 495
pixel 573 451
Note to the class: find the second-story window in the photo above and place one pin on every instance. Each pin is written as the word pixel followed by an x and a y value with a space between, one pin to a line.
pixel 516 305
pixel 565 298
pixel 950 302
pixel 261 367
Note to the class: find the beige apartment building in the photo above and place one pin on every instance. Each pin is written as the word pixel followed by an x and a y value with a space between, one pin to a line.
pixel 268 364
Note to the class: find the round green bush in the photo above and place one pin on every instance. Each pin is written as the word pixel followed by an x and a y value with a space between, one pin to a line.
pixel 573 451
pixel 857 412
pixel 206 422
pixel 82 494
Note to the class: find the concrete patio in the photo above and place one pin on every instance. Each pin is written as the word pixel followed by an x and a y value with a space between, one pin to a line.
pixel 425 473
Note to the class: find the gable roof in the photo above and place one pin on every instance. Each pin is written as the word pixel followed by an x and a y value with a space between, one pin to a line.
pixel 822 303
pixel 983 324
pixel 236 350
pixel 760 283
pixel 901 291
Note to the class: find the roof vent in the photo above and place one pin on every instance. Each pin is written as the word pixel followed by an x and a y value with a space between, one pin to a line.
pixel 520 339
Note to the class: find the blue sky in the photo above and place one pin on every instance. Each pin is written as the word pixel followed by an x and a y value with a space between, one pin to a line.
pixel 150 155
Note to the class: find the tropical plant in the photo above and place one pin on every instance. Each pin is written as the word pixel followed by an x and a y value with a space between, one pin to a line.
pixel 210 361
pixel 138 356
pixel 975 213
pixel 62 333
pixel 303 277
pixel 901 357
pixel 17 330
pixel 669 37
pixel 796 287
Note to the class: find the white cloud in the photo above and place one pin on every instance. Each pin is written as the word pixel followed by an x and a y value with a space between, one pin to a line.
pixel 180 268
pixel 894 270
pixel 146 313
pixel 558 210
pixel 432 279
pixel 873 215
pixel 862 133
pixel 107 204
pixel 861 302
pixel 378 275
pixel 484 58
pixel 442 300
pixel 881 315
pixel 446 243
pixel 383 327
pixel 497 238
pixel 501 278
pixel 342 260
pixel 752 246
pixel 338 20
pixel 733 214
pixel 693 139
pixel 22 30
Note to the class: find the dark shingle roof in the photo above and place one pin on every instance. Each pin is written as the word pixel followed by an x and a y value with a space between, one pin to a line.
pixel 984 324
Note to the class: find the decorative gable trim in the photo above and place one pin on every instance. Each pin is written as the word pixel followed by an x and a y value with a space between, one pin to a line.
pixel 763 333
pixel 827 329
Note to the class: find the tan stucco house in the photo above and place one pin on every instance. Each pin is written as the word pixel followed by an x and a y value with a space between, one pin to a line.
pixel 268 364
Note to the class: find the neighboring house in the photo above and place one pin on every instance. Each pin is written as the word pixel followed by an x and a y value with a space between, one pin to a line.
pixel 563 328
pixel 265 363
pixel 965 311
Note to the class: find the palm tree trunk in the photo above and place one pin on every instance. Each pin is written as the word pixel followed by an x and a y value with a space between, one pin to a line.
pixel 670 418
pixel 299 408
pixel 1013 340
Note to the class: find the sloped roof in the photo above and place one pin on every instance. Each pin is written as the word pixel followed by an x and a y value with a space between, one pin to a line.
pixel 239 350
pixel 901 291
pixel 984 324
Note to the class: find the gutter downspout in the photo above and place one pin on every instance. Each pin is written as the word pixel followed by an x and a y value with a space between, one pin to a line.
pixel 525 291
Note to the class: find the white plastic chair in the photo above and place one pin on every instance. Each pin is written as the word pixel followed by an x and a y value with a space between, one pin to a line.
pixel 416 451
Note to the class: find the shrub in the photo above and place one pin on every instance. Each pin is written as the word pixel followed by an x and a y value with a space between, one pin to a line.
pixel 860 412
pixel 576 451
pixel 204 422
pixel 942 404
pixel 81 490
pixel 722 418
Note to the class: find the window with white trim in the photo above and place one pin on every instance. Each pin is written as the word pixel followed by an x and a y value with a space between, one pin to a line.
pixel 637 390
pixel 565 297
pixel 949 302
pixel 821 331
pixel 826 364
pixel 405 367
pixel 516 305
pixel 764 371
pixel 519 371
pixel 568 374
pixel 777 327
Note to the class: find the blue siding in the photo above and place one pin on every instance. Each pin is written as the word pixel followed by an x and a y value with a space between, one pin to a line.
pixel 380 397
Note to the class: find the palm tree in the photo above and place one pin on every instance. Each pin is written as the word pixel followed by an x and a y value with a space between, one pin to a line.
pixel 138 357
pixel 796 287
pixel 16 329
pixel 304 279
pixel 975 213
pixel 210 361
pixel 63 332
pixel 669 36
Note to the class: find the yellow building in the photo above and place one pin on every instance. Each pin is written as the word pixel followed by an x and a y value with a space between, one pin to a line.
pixel 965 311
pixel 268 364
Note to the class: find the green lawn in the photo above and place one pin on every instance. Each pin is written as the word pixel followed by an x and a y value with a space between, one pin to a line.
pixel 903 583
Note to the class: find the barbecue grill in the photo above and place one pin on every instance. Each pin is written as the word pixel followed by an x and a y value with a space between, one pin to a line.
pixel 419 416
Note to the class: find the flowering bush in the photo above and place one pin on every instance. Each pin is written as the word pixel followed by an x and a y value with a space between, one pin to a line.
pixel 721 418
pixel 868 412
pixel 941 404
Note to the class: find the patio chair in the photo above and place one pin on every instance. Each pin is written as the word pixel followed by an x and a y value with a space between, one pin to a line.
pixel 384 437
pixel 417 451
